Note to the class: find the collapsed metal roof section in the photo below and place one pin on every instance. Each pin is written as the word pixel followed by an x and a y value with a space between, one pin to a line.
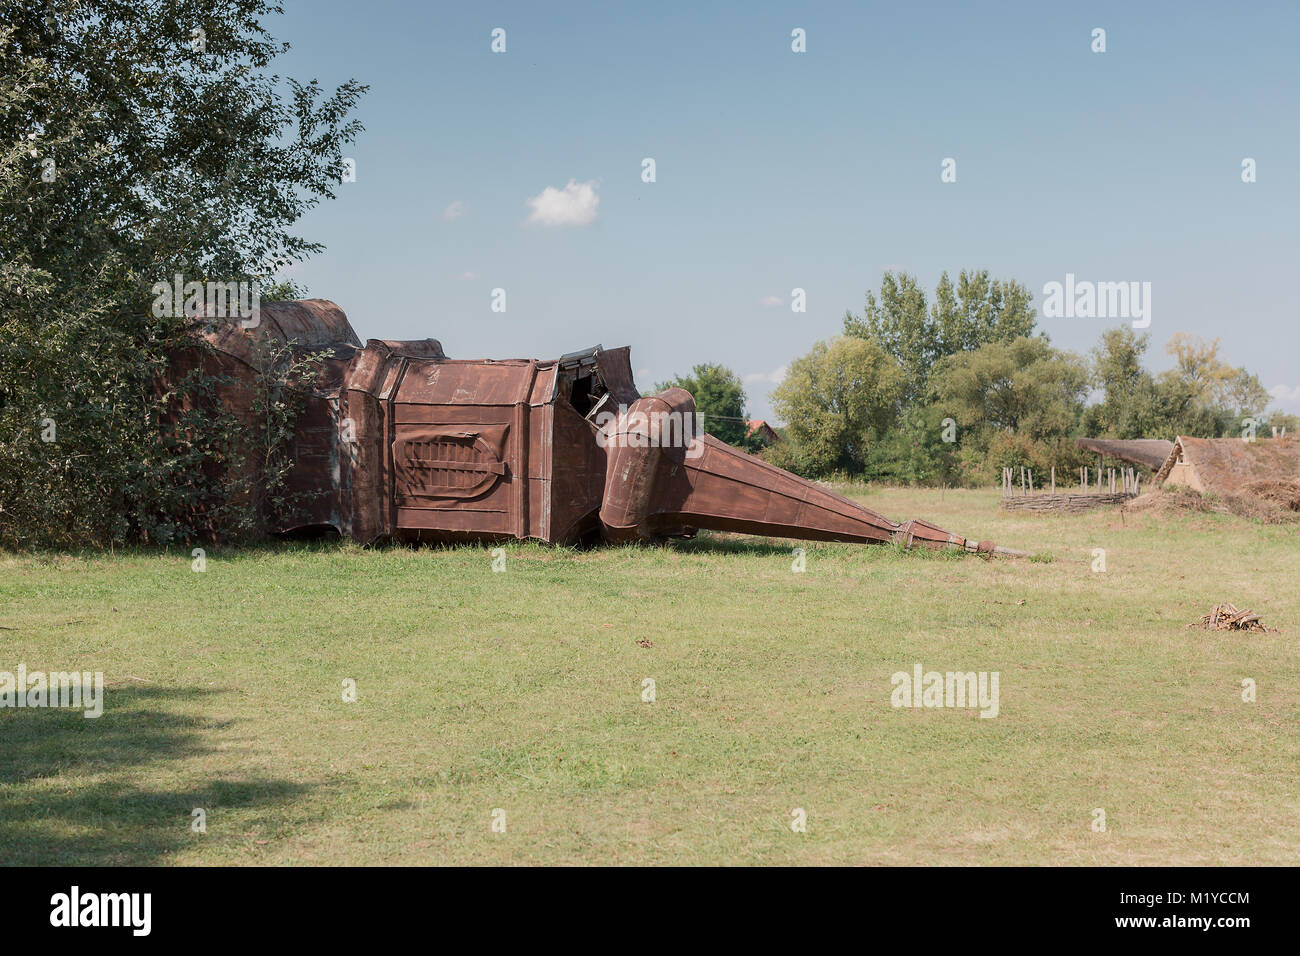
pixel 399 441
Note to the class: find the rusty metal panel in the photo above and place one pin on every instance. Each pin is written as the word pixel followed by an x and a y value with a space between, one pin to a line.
pixel 615 367
pixel 577 485
pixel 543 390
pixel 465 383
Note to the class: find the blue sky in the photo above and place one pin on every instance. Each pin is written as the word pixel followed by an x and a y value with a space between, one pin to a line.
pixel 779 170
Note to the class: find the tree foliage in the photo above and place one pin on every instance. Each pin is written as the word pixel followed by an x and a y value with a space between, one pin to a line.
pixel 1214 381
pixel 979 310
pixel 1024 385
pixel 838 398
pixel 1201 396
pixel 1024 388
pixel 719 401
pixel 972 358
pixel 139 141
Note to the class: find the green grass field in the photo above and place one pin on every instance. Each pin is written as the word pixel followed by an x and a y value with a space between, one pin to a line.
pixel 522 691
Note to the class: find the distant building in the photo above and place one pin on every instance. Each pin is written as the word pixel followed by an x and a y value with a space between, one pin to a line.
pixel 756 426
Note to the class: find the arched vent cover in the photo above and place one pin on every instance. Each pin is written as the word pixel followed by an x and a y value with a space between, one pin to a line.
pixel 448 461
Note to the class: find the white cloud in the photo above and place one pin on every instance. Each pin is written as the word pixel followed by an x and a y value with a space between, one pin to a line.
pixel 454 211
pixel 771 301
pixel 774 377
pixel 1286 395
pixel 574 205
pixel 468 276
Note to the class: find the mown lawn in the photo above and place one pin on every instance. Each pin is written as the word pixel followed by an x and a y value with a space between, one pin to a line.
pixel 522 691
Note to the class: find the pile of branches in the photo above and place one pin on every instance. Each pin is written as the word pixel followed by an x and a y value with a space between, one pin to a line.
pixel 1226 617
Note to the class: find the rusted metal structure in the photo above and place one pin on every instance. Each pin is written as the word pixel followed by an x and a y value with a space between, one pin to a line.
pixel 399 441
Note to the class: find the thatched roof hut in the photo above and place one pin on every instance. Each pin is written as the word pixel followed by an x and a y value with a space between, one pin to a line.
pixel 1148 452
pixel 1231 466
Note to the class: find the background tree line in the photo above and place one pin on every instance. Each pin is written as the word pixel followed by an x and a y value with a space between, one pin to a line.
pixel 873 402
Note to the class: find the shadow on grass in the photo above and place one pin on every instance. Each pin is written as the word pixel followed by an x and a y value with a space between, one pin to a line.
pixel 92 792
pixel 708 542
pixel 715 543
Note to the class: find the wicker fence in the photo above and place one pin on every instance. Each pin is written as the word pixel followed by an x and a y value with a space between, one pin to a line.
pixel 1114 486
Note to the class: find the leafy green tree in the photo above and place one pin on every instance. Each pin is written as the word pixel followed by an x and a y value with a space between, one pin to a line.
pixel 1201 396
pixel 140 141
pixel 979 310
pixel 983 310
pixel 1015 403
pixel 1243 392
pixel 1215 381
pixel 1169 405
pixel 1024 386
pixel 914 451
pixel 719 400
pixel 899 323
pixel 1125 386
pixel 837 399
pixel 1199 365
pixel 1117 362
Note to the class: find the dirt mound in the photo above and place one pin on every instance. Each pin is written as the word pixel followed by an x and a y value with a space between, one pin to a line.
pixel 1175 499
pixel 1268 505
pixel 1284 492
